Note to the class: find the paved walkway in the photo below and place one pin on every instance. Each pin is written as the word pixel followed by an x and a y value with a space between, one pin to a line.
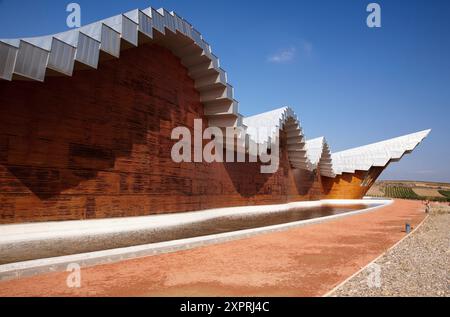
pixel 306 261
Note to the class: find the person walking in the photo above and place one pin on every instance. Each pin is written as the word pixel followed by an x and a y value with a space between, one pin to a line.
pixel 427 206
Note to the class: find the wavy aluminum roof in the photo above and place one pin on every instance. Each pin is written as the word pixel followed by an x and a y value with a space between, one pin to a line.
pixel 32 58
pixel 35 58
pixel 376 154
pixel 315 153
pixel 318 152
pixel 262 128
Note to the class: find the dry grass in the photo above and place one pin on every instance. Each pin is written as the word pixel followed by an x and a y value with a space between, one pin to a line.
pixel 427 192
pixel 440 209
pixel 375 191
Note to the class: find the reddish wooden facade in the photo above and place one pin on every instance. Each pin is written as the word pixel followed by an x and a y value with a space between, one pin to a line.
pixel 98 145
pixel 350 186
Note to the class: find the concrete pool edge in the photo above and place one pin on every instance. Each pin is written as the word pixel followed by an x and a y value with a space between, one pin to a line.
pixel 60 263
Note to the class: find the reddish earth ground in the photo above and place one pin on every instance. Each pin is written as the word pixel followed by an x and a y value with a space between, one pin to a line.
pixel 306 261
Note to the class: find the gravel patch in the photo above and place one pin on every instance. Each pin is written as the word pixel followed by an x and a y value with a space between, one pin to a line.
pixel 418 266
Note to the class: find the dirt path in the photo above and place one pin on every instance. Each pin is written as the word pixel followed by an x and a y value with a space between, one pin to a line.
pixel 306 261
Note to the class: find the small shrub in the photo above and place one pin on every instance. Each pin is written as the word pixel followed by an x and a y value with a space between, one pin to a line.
pixel 445 193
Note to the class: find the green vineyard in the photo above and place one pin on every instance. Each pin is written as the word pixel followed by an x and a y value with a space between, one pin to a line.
pixel 445 193
pixel 407 193
pixel 400 192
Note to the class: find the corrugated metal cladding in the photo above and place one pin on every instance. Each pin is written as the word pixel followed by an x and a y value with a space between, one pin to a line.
pixel 169 21
pixel 61 57
pixel 110 42
pixel 222 76
pixel 8 56
pixel 197 37
pixel 230 92
pixel 235 108
pixel 87 50
pixel 187 28
pixel 31 61
pixel 205 46
pixel 145 24
pixel 129 31
pixel 215 61
pixel 241 124
pixel 179 24
pixel 158 21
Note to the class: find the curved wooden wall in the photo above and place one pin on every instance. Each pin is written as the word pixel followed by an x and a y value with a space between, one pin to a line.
pixel 350 186
pixel 98 145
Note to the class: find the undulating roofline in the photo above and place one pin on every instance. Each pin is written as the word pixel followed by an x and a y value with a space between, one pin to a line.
pixel 316 153
pixel 38 57
pixel 377 154
pixel 319 154
pixel 285 119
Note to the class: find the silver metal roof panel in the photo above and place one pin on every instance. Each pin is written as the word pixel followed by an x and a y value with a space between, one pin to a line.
pixel 169 20
pixel 129 30
pixel 133 15
pixel 62 57
pixel 110 42
pixel 145 24
pixel 8 55
pixel 31 61
pixel 88 50
pixel 158 21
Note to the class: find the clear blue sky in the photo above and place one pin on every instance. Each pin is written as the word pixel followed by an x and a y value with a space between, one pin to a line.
pixel 352 84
